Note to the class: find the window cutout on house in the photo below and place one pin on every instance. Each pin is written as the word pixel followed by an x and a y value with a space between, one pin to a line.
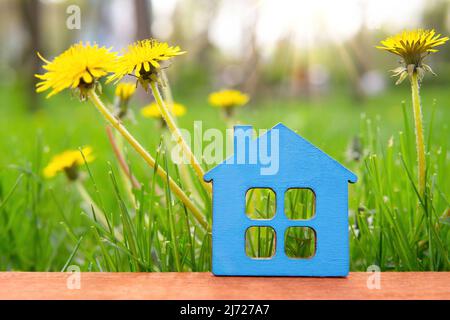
pixel 260 203
pixel 299 204
pixel 260 242
pixel 300 242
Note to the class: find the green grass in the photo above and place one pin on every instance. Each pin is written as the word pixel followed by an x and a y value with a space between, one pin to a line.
pixel 45 225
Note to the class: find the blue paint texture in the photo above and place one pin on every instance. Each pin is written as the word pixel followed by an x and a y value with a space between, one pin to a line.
pixel 301 165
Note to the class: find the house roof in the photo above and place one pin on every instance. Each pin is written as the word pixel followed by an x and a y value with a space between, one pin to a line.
pixel 350 176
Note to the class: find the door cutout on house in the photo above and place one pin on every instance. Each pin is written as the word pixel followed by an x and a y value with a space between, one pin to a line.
pixel 260 242
pixel 299 203
pixel 300 242
pixel 260 203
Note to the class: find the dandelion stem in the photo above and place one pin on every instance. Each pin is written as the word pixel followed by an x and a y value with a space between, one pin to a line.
pixel 120 158
pixel 168 97
pixel 147 157
pixel 420 144
pixel 178 136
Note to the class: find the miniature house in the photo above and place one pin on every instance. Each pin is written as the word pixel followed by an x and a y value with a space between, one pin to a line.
pixel 298 164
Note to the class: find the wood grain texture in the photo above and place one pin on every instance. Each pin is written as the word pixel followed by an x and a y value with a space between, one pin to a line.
pixel 394 285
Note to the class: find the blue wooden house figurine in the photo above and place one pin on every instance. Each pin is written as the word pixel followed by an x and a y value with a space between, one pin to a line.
pixel 295 163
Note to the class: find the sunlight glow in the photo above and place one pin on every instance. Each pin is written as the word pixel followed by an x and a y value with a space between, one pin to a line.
pixel 307 22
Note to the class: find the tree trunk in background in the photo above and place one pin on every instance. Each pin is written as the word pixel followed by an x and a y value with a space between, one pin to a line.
pixel 30 11
pixel 143 10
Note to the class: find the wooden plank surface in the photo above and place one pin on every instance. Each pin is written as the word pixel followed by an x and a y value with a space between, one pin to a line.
pixel 394 285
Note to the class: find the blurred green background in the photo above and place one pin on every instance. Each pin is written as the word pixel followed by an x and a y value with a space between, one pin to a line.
pixel 309 64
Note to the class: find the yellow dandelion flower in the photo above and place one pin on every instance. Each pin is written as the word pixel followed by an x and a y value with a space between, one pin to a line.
pixel 124 91
pixel 228 98
pixel 80 67
pixel 152 110
pixel 68 162
pixel 143 59
pixel 413 46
